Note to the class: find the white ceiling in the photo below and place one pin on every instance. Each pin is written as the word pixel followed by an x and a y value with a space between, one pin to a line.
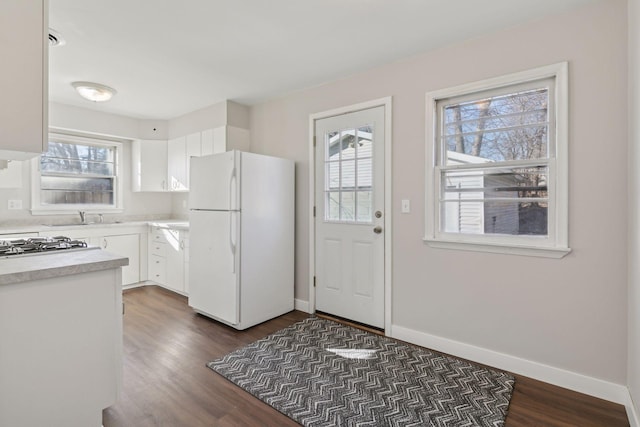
pixel 167 58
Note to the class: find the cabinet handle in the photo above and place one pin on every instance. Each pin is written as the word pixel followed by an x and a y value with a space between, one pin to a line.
pixel 181 244
pixel 105 243
pixel 163 185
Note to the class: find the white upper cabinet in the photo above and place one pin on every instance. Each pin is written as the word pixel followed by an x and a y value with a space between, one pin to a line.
pixel 193 149
pixel 149 165
pixel 11 176
pixel 24 83
pixel 165 165
pixel 177 151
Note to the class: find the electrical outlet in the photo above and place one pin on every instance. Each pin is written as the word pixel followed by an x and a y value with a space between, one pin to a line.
pixel 15 204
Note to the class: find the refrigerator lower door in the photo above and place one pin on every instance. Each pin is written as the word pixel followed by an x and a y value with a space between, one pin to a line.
pixel 214 286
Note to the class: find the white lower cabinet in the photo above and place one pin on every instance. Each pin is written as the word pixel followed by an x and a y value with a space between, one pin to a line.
pixel 127 245
pixel 168 258
pixel 125 242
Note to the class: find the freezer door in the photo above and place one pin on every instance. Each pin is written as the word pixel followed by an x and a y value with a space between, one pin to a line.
pixel 215 182
pixel 214 264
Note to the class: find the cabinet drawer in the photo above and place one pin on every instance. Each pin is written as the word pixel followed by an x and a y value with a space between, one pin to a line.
pixel 158 237
pixel 157 269
pixel 156 248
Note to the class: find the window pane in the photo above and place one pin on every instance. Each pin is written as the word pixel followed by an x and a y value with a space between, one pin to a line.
pixel 365 206
pixel 347 142
pixel 332 206
pixel 349 174
pixel 347 206
pixel 333 176
pixel 365 173
pixel 332 151
pixel 500 128
pixel 500 201
pixel 70 190
pixel 365 133
pixel 76 184
pixel 53 197
pixel 495 217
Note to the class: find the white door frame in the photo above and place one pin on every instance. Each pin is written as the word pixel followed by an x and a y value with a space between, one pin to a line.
pixel 386 102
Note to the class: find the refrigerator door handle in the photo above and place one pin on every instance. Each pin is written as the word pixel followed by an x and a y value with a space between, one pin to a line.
pixel 232 188
pixel 232 244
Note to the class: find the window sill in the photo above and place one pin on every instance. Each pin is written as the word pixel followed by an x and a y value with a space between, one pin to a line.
pixel 534 251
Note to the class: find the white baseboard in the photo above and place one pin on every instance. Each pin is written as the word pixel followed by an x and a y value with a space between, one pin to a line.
pixel 302 305
pixel 612 392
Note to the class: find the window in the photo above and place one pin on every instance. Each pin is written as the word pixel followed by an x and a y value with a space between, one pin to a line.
pixel 497 164
pixel 77 173
pixel 349 175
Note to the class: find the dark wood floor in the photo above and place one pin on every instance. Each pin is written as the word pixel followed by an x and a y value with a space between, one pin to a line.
pixel 166 382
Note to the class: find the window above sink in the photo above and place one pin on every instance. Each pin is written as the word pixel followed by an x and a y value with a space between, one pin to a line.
pixel 77 174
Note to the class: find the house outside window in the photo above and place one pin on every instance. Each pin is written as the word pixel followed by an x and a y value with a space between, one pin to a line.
pixel 497 164
pixel 77 173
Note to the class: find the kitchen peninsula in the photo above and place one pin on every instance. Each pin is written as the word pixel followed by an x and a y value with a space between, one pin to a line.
pixel 60 337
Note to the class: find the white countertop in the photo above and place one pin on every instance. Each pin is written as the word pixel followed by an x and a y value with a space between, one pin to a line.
pixel 24 268
pixel 169 223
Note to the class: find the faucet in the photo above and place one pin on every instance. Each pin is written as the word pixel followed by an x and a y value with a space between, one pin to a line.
pixel 82 219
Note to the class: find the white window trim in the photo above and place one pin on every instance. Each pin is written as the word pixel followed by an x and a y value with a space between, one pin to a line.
pixel 555 245
pixel 38 209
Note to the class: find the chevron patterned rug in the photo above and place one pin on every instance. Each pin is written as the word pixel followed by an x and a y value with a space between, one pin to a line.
pixel 322 373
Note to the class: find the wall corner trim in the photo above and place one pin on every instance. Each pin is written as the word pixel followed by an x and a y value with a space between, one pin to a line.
pixel 606 390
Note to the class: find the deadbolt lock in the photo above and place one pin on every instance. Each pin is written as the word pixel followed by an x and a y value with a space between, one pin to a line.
pixel 378 214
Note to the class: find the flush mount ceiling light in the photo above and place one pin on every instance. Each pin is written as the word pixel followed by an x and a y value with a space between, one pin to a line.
pixel 94 91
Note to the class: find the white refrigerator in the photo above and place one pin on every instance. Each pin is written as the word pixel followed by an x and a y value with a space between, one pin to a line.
pixel 241 232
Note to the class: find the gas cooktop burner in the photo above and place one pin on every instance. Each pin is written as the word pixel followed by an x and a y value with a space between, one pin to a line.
pixel 39 245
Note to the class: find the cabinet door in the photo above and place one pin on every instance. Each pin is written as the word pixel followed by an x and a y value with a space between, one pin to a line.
pixel 24 53
pixel 127 245
pixel 175 260
pixel 149 165
pixel 177 164
pixel 193 150
pixel 11 176
pixel 206 142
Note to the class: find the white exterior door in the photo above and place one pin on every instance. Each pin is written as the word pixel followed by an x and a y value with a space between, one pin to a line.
pixel 349 193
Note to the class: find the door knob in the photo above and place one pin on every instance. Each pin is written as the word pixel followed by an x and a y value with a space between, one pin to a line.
pixel 377 229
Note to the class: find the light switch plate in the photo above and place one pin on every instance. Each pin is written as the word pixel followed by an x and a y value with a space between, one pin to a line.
pixel 406 206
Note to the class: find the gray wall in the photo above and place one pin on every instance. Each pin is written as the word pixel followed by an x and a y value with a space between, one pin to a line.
pixel 633 358
pixel 570 313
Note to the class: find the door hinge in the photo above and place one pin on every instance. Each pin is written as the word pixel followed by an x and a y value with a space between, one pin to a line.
pixel 314 211
pixel 314 140
pixel 314 281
